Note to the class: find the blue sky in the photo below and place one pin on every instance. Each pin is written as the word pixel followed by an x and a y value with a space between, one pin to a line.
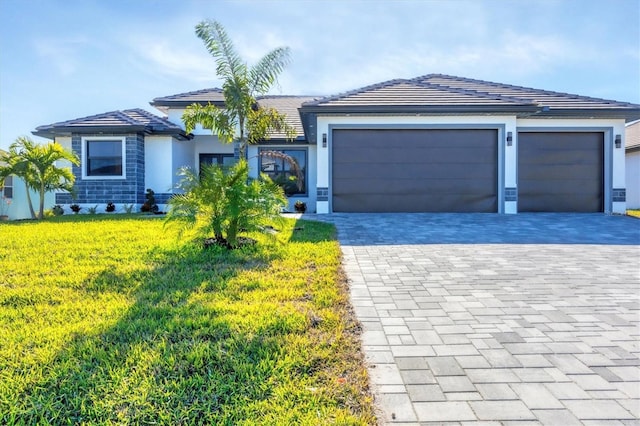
pixel 64 59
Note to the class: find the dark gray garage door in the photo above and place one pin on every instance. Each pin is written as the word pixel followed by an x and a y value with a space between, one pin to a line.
pixel 415 170
pixel 560 172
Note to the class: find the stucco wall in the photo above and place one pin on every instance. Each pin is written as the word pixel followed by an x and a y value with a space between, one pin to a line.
pixel 19 207
pixel 633 179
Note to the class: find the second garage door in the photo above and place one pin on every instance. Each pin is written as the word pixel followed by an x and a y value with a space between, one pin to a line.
pixel 415 170
pixel 560 172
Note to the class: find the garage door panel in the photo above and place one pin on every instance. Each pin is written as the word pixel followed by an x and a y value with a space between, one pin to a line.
pixel 413 170
pixel 418 155
pixel 386 203
pixel 554 173
pixel 460 187
pixel 563 158
pixel 561 171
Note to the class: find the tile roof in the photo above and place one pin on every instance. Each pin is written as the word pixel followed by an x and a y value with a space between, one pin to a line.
pixel 632 136
pixel 539 97
pixel 287 105
pixel 130 120
pixel 212 95
pixel 443 93
pixel 415 93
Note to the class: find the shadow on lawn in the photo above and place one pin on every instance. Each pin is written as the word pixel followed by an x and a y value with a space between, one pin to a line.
pixel 174 357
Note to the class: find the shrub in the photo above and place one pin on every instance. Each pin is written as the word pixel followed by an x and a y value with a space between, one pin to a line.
pixel 150 205
pixel 93 210
pixel 110 208
pixel 128 208
pixel 220 202
pixel 57 210
pixel 75 208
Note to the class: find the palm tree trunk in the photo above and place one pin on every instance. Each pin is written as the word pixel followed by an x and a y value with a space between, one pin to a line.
pixel 33 213
pixel 41 214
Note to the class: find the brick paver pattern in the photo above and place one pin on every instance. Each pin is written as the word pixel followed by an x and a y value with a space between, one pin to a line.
pixel 494 319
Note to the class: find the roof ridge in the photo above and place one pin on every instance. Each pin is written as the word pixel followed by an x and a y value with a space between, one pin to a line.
pixel 357 91
pixel 151 117
pixel 287 96
pixel 470 92
pixel 193 92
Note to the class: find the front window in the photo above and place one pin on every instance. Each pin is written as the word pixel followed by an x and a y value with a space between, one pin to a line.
pixel 282 172
pixel 104 157
pixel 219 159
pixel 7 187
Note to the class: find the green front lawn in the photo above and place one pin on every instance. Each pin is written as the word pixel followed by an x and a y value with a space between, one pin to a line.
pixel 111 320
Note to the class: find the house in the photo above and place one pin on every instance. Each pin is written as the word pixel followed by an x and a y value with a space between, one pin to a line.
pixel 13 198
pixel 632 164
pixel 434 143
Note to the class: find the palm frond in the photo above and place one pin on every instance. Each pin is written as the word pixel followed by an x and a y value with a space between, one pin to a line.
pixel 265 73
pixel 215 38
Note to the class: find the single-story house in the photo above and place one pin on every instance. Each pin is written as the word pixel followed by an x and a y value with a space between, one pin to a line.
pixel 632 164
pixel 13 198
pixel 434 143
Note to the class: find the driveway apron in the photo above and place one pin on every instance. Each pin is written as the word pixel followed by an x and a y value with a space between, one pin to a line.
pixel 528 318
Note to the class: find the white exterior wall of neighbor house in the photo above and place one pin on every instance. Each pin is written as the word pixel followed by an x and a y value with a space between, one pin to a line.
pixel 632 167
pixel 19 207
pixel 504 124
pixel 616 155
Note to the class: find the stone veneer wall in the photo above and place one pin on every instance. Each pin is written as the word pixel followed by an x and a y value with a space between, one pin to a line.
pixel 119 191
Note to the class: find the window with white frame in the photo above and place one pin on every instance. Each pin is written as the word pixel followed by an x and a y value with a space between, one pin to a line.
pixel 7 187
pixel 282 172
pixel 103 157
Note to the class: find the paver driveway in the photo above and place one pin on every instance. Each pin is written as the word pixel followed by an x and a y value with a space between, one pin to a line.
pixel 533 318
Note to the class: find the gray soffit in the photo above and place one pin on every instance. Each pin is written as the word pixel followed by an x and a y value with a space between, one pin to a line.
pixel 126 121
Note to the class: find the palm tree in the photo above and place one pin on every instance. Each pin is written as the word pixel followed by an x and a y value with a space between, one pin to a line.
pixel 36 165
pixel 241 120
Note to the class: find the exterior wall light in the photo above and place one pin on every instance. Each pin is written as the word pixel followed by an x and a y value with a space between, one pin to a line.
pixel 324 140
pixel 618 141
pixel 509 138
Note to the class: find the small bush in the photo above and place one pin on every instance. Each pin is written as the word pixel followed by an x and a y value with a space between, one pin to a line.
pixel 150 205
pixel 75 208
pixel 57 210
pixel 93 210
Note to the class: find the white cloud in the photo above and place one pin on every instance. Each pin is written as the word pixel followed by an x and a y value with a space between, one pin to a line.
pixel 63 54
pixel 170 58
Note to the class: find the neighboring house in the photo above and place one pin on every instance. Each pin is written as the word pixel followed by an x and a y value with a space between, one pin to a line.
pixel 632 166
pixel 434 143
pixel 13 198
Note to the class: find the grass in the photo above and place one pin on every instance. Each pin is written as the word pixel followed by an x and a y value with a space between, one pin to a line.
pixel 112 320
pixel 634 213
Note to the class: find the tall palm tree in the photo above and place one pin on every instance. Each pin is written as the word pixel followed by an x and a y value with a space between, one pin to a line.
pixel 241 120
pixel 36 165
